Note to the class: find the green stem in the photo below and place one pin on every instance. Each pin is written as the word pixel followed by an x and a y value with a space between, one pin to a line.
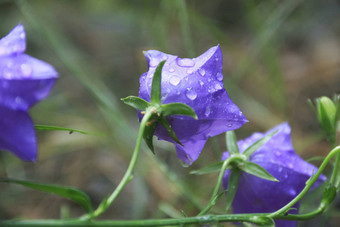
pixel 335 171
pixel 128 174
pixel 185 27
pixel 309 184
pixel 254 218
pixel 214 196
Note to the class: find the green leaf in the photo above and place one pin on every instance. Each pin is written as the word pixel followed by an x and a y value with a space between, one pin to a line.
pixel 250 150
pixel 256 170
pixel 149 131
pixel 71 193
pixel 136 102
pixel 178 109
pixel 232 142
pixel 233 180
pixel 171 132
pixel 156 84
pixel 212 168
pixel 70 130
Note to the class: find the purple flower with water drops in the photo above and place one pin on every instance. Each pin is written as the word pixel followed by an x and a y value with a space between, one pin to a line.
pixel 277 156
pixel 198 83
pixel 24 81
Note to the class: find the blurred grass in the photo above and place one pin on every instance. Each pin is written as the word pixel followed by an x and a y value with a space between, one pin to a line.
pixel 276 55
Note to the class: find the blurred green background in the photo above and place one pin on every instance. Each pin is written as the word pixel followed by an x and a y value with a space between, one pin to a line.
pixel 277 54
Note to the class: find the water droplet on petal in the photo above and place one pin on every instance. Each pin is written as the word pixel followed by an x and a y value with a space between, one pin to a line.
pixel 201 82
pixel 174 80
pixel 218 86
pixel 22 35
pixel 154 62
pixel 219 76
pixel 189 71
pixel 278 153
pixel 280 169
pixel 201 71
pixel 216 59
pixel 171 70
pixel 7 74
pixel 229 125
pixel 26 70
pixel 185 62
pixel 191 94
pixel 207 111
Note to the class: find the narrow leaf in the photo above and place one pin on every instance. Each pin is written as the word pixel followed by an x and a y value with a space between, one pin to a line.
pixel 256 170
pixel 149 131
pixel 250 150
pixel 70 130
pixel 156 84
pixel 212 168
pixel 71 193
pixel 171 132
pixel 233 180
pixel 232 142
pixel 178 109
pixel 136 102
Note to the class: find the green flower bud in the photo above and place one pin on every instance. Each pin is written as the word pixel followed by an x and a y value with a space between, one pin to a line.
pixel 327 111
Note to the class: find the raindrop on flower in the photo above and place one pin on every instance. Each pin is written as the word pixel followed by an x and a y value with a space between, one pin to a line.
pixel 201 82
pixel 201 71
pixel 189 71
pixel 218 86
pixel 219 76
pixel 171 70
pixel 185 62
pixel 207 111
pixel 191 94
pixel 174 80
pixel 26 70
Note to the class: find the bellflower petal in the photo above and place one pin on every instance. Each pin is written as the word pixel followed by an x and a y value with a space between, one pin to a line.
pixel 277 156
pixel 24 81
pixel 17 134
pixel 198 83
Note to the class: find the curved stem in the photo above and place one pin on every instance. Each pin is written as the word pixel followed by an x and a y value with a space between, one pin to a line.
pixel 127 176
pixel 214 196
pixel 309 184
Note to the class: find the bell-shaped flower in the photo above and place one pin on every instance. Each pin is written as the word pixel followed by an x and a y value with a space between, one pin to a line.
pixel 198 83
pixel 24 81
pixel 277 156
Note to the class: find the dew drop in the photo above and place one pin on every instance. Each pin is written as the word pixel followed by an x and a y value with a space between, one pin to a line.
pixel 201 82
pixel 185 62
pixel 26 70
pixel 278 153
pixel 218 86
pixel 189 71
pixel 207 111
pixel 154 62
pixel 219 76
pixel 22 35
pixel 280 169
pixel 174 80
pixel 201 71
pixel 229 125
pixel 171 70
pixel 7 74
pixel 191 94
pixel 216 59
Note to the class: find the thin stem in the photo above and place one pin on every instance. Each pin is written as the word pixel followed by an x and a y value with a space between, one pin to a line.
pixel 254 218
pixel 335 171
pixel 309 184
pixel 185 27
pixel 128 174
pixel 214 196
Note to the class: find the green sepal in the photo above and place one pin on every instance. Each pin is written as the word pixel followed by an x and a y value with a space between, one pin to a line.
pixel 212 168
pixel 232 142
pixel 136 102
pixel 177 108
pixel 149 131
pixel 252 148
pixel 156 84
pixel 328 196
pixel 169 129
pixel 256 170
pixel 71 193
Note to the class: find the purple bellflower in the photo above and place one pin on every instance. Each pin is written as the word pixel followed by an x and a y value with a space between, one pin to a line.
pixel 277 156
pixel 24 81
pixel 198 83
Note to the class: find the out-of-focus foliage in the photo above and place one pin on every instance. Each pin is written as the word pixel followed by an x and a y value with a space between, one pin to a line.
pixel 276 55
